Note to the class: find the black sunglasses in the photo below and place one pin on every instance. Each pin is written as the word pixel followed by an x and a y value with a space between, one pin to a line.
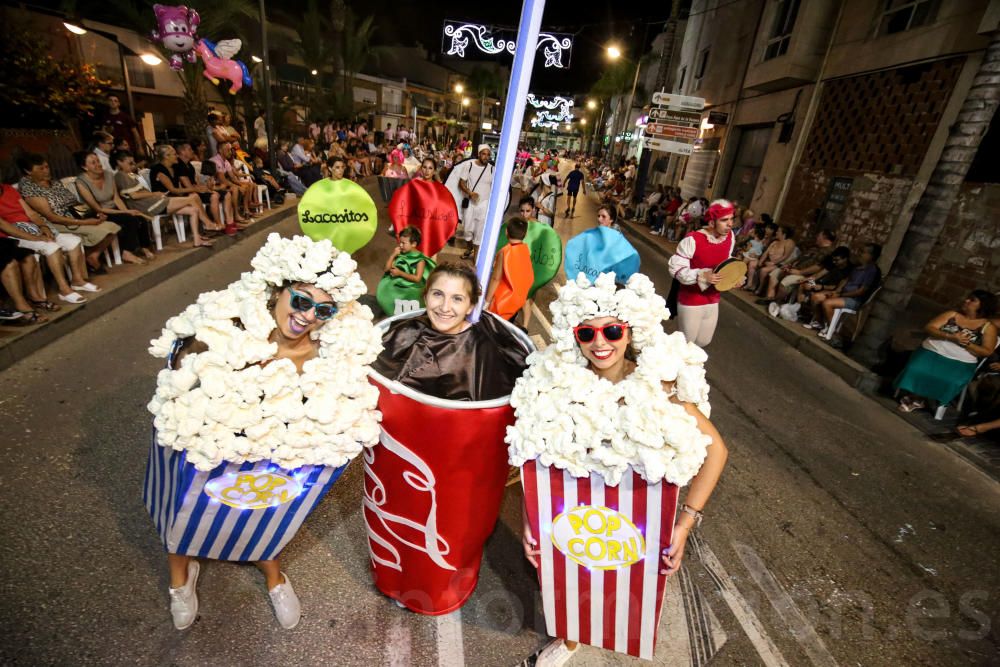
pixel 302 303
pixel 612 332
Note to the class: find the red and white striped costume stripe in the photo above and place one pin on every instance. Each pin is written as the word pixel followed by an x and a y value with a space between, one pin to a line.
pixel 617 609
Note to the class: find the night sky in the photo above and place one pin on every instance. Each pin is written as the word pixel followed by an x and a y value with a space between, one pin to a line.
pixel 594 24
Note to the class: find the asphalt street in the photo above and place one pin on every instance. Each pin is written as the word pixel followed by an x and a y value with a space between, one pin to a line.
pixel 838 535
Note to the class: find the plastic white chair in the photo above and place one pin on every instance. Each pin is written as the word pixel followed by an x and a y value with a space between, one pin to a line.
pixel 178 221
pixel 836 320
pixel 942 409
pixel 264 195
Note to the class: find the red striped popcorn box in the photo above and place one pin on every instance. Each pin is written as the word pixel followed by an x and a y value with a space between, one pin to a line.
pixel 236 511
pixel 601 552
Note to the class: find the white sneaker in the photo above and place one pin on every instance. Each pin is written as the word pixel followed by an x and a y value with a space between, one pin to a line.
pixel 813 325
pixel 286 604
pixel 86 287
pixel 72 297
pixel 555 654
pixel 184 600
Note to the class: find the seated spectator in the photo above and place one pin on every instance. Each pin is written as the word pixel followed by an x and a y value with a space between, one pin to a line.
pixel 286 169
pixel 136 195
pixel 239 191
pixel 304 164
pixel 101 145
pixel 22 224
pixel 825 283
pixel 747 223
pixel 395 168
pixel 262 176
pixel 782 281
pixel 751 249
pixel 182 179
pixel 857 287
pixel 688 219
pixel 947 359
pixel 651 200
pixel 96 188
pixel 15 263
pixel 777 254
pixel 60 209
pixel 982 397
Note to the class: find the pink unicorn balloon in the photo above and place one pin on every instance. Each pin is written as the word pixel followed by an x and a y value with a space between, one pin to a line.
pixel 175 30
pixel 218 62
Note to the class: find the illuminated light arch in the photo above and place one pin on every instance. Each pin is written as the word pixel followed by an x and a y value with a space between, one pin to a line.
pixel 460 36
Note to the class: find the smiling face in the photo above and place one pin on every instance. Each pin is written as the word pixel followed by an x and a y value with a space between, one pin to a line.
pixel 93 165
pixel 294 324
pixel 604 356
pixel 127 165
pixel 449 302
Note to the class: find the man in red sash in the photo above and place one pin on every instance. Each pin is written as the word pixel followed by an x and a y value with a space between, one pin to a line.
pixel 693 266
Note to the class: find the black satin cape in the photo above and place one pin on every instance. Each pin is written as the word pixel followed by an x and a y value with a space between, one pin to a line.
pixel 478 364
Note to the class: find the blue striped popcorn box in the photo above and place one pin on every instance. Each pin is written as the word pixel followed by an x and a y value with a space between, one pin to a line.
pixel 236 511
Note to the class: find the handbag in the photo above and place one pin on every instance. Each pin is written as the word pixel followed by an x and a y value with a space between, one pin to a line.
pixel 465 200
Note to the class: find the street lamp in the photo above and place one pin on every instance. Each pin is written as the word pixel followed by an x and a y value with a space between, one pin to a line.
pixel 465 101
pixel 614 53
pixel 151 59
pixel 591 104
pixel 315 72
pixel 256 59
pixel 459 88
pixel 74 28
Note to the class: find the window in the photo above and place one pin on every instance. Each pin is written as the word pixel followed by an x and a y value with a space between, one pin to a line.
pixel 902 15
pixel 680 81
pixel 781 28
pixel 140 74
pixel 702 64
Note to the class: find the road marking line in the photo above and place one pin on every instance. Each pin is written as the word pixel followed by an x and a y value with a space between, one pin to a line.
pixel 451 652
pixel 398 641
pixel 801 629
pixel 754 629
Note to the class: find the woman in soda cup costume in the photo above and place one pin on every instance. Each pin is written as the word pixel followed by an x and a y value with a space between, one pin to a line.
pixel 434 484
pixel 612 397
pixel 264 401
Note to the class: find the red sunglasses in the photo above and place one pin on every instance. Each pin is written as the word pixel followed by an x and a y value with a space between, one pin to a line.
pixel 612 332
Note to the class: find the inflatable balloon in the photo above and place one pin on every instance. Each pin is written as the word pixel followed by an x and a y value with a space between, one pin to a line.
pixel 601 250
pixel 546 252
pixel 175 30
pixel 429 207
pixel 341 211
pixel 219 64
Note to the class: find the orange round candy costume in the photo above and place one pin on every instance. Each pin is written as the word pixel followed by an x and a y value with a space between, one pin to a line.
pixel 518 276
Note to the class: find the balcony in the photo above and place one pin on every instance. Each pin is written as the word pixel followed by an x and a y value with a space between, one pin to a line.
pixel 395 108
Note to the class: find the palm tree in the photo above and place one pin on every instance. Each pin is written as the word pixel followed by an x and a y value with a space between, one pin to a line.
pixel 935 203
pixel 484 81
pixel 356 49
pixel 314 46
pixel 615 81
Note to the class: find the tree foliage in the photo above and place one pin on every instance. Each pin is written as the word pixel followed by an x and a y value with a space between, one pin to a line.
pixel 39 90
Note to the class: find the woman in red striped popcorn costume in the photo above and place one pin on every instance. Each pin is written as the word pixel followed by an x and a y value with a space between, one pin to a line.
pixel 613 414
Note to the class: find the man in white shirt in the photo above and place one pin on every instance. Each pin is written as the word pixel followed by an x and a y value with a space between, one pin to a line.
pixel 475 183
pixel 390 134
pixel 546 199
pixel 103 144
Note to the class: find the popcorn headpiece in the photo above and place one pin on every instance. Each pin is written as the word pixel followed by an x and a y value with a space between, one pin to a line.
pixel 302 260
pixel 637 303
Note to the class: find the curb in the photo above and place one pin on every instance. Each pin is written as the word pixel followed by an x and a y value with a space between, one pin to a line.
pixel 31 341
pixel 850 371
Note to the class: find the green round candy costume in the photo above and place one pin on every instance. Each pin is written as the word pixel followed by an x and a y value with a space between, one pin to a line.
pixel 341 211
pixel 396 294
pixel 546 252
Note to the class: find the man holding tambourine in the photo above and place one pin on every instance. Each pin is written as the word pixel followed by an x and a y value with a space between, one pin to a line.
pixel 704 268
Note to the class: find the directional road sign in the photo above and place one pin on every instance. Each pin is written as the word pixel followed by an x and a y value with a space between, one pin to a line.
pixel 669 130
pixel 668 146
pixel 665 115
pixel 680 102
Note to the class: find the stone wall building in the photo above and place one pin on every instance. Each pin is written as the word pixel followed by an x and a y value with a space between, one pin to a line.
pixel 836 112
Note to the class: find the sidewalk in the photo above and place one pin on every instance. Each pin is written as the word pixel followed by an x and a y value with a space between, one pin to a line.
pixel 982 452
pixel 121 283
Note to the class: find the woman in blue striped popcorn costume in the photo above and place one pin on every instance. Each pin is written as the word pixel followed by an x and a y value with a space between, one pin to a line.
pixel 263 402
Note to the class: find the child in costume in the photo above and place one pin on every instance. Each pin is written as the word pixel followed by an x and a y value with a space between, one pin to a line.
pixel 512 274
pixel 613 397
pixel 406 270
pixel 263 402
